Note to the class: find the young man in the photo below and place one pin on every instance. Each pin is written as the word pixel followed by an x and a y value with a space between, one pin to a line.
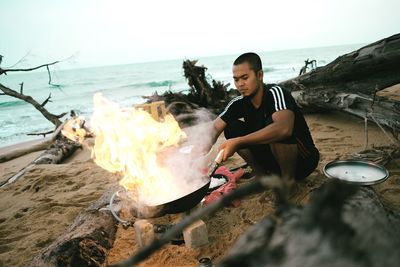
pixel 265 126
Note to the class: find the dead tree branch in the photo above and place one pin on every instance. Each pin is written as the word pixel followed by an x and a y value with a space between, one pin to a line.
pixel 44 134
pixel 54 119
pixel 46 101
pixel 4 71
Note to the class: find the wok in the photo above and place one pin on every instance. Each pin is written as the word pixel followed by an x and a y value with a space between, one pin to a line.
pixel 181 204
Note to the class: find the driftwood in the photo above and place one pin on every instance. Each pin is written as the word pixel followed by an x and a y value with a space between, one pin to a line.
pixel 341 226
pixel 58 151
pixel 15 153
pixel 86 241
pixel 201 95
pixel 54 119
pixel 350 83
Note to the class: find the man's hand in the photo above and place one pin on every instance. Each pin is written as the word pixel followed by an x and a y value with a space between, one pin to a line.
pixel 230 146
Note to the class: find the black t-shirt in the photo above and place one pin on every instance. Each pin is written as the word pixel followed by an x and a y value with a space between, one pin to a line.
pixel 274 99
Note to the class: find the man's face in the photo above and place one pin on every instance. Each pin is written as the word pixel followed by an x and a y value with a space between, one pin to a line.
pixel 246 80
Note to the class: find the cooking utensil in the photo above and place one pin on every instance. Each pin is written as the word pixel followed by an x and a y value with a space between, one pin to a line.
pixel 215 164
pixel 356 171
pixel 180 204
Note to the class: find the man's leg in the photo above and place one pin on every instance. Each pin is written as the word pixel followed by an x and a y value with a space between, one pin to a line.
pixel 259 157
pixel 251 160
pixel 286 157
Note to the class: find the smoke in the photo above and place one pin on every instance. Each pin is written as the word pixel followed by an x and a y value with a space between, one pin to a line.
pixel 189 161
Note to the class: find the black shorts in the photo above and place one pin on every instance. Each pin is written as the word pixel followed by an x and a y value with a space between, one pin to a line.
pixel 265 158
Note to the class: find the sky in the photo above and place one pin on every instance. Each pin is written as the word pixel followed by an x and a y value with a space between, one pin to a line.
pixel 105 32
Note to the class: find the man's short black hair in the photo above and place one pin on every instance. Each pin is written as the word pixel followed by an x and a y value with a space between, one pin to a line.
pixel 253 59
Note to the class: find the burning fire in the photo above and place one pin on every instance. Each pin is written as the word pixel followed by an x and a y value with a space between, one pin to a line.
pixel 74 129
pixel 130 142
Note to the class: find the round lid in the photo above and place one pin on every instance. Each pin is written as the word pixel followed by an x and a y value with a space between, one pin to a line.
pixel 356 171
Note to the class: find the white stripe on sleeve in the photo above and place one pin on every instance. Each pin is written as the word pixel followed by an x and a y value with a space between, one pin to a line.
pixel 279 98
pixel 230 103
pixel 282 97
pixel 276 102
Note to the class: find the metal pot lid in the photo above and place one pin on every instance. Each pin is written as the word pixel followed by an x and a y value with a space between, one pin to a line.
pixel 356 171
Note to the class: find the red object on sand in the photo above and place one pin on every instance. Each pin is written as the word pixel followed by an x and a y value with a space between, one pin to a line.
pixel 228 187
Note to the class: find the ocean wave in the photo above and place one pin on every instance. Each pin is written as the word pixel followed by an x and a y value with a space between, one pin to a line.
pixel 152 84
pixel 161 83
pixel 12 103
pixel 268 69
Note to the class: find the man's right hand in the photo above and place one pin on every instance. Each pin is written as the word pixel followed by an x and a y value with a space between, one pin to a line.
pixel 230 146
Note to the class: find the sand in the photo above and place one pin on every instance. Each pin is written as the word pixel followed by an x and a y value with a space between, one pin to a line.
pixel 37 208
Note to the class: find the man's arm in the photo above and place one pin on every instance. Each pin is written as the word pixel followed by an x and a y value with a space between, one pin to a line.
pixel 214 128
pixel 280 128
pixel 218 127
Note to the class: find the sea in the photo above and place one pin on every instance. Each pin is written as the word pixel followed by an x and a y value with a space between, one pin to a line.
pixel 73 89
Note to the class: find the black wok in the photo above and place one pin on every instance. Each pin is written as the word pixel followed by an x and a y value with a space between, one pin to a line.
pixel 179 205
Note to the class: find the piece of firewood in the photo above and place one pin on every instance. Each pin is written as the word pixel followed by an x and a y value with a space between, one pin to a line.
pixel 87 241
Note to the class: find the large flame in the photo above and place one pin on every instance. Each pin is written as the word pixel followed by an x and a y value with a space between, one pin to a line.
pixel 129 141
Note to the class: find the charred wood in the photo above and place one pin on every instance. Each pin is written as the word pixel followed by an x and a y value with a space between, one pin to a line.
pixel 86 241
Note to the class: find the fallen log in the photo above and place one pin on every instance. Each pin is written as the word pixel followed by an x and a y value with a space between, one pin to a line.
pixel 343 225
pixel 60 149
pixel 15 153
pixel 350 83
pixel 86 242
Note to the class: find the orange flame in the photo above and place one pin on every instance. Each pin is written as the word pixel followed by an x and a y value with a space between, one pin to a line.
pixel 129 141
pixel 74 130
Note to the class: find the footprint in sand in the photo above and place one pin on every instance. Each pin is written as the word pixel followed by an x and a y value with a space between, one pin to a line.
pixel 76 187
pixel 325 139
pixel 44 243
pixel 13 239
pixel 21 213
pixel 18 215
pixel 4 233
pixel 330 128
pixel 4 249
pixel 314 125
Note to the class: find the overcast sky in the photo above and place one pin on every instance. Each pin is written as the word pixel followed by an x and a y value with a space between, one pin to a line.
pixel 105 32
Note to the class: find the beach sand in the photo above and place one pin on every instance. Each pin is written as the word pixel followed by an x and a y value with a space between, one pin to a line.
pixel 37 208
